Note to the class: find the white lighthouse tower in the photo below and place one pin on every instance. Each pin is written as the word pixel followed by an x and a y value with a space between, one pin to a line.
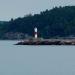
pixel 35 33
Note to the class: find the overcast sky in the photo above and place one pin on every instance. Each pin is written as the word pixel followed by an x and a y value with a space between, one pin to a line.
pixel 18 8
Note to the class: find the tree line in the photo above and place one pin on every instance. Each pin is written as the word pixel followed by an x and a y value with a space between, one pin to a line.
pixel 56 22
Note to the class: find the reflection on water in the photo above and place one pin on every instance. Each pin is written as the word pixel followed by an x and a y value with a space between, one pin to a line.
pixel 36 60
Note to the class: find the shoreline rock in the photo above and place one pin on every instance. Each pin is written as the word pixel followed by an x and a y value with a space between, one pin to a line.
pixel 48 42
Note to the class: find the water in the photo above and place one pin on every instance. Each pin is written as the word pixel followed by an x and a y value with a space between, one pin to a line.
pixel 36 60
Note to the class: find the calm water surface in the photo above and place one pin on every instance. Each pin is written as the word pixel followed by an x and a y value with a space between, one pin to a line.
pixel 36 60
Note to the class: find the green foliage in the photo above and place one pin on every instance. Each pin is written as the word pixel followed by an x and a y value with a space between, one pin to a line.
pixel 59 21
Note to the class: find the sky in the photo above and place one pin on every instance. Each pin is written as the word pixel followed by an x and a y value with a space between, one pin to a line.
pixel 19 8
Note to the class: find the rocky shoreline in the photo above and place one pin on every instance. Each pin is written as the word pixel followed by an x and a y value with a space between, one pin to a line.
pixel 47 42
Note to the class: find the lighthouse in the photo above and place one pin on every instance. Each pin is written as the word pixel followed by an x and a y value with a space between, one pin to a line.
pixel 35 33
